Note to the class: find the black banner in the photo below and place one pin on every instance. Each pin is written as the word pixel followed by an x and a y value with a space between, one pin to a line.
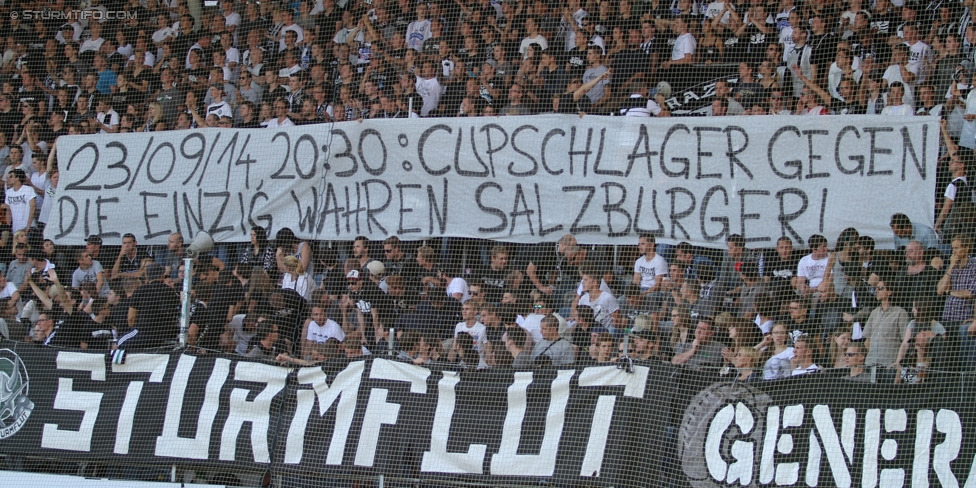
pixel 594 426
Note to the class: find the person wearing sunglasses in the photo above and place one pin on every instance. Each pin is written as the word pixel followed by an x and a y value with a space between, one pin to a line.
pixel 854 358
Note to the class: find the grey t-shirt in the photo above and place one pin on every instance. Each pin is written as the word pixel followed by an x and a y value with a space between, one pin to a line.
pixel 89 275
pixel 709 355
pixel 560 351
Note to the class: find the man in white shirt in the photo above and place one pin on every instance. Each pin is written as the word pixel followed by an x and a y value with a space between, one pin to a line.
pixel 683 52
pixel 532 37
pixel 20 201
pixel 470 325
pixel 95 41
pixel 650 272
pixel 896 93
pixel 429 88
pixel 232 19
pixel 280 118
pixel 811 269
pixel 650 268
pixel 218 106
pixel 107 119
pixel 319 328
pixel 419 30
pixel 919 54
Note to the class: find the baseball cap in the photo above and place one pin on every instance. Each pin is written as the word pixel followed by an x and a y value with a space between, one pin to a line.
pixel 93 239
pixel 376 268
pixel 353 275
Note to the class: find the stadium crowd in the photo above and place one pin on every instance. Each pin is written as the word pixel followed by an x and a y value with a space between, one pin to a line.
pixel 140 65
pixel 275 64
pixel 754 314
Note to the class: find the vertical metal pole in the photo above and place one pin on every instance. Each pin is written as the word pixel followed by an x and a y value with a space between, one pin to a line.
pixel 185 309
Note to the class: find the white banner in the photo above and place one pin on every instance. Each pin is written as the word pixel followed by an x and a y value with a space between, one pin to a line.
pixel 519 179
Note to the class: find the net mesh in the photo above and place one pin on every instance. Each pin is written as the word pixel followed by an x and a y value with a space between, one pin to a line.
pixel 226 263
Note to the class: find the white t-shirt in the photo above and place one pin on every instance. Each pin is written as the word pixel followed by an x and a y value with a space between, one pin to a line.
pixel 233 18
pixel 40 181
pixel 714 8
pixel 537 40
pixel 19 202
pixel 273 123
pixel 110 118
pixel 967 137
pixel 893 74
pixel 532 324
pixel 800 370
pixel 430 91
pixel 918 55
pixel 650 269
pixel 418 31
pixel 951 190
pixel 321 333
pixel 477 332
pixel 300 284
pixel 220 109
pixel 603 308
pixel 902 109
pixel 812 269
pixel 684 44
pixel 650 109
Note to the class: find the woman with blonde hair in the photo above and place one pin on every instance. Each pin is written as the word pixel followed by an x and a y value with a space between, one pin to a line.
pixel 295 277
pixel 154 119
pixel 680 328
pixel 745 361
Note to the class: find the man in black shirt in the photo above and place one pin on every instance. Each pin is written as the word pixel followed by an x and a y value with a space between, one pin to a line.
pixel 397 263
pixel 154 311
pixel 498 276
pixel 779 268
pixel 371 306
pixel 44 332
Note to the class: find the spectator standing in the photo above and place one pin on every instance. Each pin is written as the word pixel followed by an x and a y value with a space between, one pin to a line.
pixel 959 285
